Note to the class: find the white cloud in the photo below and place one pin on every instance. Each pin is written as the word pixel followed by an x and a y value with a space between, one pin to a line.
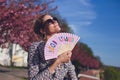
pixel 73 27
pixel 86 23
pixel 88 15
pixel 81 31
pixel 77 13
pixel 85 2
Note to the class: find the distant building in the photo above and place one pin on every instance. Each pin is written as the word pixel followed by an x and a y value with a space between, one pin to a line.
pixel 18 56
pixel 90 75
pixel 4 57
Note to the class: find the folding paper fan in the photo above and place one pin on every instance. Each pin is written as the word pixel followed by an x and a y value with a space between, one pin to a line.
pixel 59 43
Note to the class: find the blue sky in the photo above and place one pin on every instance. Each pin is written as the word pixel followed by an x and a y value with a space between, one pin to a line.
pixel 97 22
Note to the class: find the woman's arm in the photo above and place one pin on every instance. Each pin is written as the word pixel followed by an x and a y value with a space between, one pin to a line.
pixel 71 68
pixel 63 58
pixel 71 71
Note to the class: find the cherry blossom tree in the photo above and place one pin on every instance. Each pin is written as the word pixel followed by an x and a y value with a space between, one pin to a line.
pixel 84 56
pixel 17 18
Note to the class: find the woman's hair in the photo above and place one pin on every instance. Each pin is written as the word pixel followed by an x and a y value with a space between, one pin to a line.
pixel 39 25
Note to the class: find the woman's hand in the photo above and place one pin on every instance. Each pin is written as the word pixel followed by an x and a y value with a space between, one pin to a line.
pixel 64 57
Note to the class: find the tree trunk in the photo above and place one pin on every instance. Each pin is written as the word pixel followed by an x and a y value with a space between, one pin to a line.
pixel 10 53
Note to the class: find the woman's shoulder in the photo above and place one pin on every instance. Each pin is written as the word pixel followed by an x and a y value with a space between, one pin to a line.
pixel 36 44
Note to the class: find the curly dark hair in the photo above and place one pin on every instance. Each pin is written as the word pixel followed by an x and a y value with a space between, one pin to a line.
pixel 39 25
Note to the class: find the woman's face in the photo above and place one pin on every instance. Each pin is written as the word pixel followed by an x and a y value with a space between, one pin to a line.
pixel 51 25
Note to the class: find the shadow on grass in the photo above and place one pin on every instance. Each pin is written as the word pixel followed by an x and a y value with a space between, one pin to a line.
pixel 3 71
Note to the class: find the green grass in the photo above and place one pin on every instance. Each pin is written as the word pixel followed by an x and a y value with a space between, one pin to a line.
pixel 15 67
pixel 24 78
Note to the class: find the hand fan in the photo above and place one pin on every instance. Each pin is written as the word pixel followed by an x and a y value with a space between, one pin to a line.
pixel 59 43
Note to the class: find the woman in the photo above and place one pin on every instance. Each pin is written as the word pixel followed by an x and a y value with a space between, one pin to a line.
pixel 41 69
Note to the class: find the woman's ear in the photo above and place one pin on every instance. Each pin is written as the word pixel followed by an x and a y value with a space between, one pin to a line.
pixel 42 31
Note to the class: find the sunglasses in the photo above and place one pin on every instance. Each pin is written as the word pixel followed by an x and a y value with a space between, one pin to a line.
pixel 50 21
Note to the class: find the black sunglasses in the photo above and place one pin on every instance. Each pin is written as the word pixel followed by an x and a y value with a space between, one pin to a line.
pixel 50 21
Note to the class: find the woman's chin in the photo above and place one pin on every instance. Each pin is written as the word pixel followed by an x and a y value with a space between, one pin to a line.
pixel 58 29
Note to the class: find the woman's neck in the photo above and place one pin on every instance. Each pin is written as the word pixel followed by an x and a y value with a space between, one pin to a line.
pixel 49 36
